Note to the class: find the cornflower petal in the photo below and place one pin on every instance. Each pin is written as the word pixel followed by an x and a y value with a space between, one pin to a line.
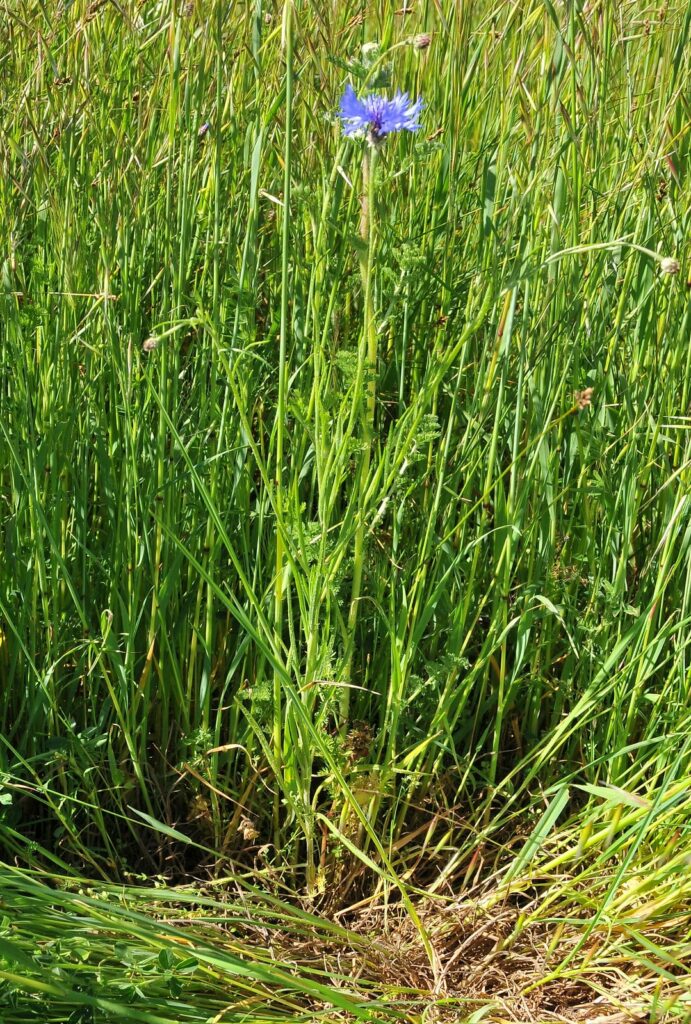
pixel 354 111
pixel 377 115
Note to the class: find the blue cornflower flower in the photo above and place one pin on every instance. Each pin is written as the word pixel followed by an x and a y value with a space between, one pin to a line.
pixel 377 115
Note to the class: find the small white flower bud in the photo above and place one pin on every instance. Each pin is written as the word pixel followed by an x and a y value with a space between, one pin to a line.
pixel 370 52
pixel 668 265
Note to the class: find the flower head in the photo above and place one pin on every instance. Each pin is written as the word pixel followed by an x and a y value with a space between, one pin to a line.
pixel 377 115
pixel 668 265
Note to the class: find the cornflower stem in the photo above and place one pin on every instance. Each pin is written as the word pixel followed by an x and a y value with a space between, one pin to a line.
pixel 368 234
pixel 280 413
pixel 370 322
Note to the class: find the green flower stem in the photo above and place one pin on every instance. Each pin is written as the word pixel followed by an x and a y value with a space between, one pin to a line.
pixel 368 234
pixel 280 425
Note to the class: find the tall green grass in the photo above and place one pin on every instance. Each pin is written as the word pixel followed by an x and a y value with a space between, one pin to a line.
pixel 403 624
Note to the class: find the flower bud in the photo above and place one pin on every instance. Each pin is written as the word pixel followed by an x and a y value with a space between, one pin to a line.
pixel 422 41
pixel 584 398
pixel 668 265
pixel 370 52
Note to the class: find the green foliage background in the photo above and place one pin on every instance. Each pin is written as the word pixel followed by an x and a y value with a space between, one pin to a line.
pixel 230 607
pixel 348 627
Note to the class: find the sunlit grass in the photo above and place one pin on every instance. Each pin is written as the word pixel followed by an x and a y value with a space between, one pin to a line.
pixel 264 609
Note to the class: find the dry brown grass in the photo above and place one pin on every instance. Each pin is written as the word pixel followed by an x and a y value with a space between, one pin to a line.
pixel 493 966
